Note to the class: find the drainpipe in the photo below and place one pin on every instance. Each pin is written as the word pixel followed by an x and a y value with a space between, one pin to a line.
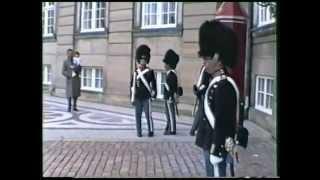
pixel 132 44
pixel 132 58
pixel 74 25
pixel 249 59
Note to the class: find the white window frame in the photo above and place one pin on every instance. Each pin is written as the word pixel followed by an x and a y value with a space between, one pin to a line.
pixel 160 95
pixel 45 9
pixel 264 93
pixel 263 15
pixel 47 71
pixel 93 79
pixel 159 13
pixel 93 18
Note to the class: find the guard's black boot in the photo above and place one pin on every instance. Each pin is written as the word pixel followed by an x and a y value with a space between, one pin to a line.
pixel 139 134
pixel 192 133
pixel 75 104
pixel 150 134
pixel 173 133
pixel 69 104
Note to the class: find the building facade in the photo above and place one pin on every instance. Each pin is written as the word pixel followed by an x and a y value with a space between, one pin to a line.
pixel 107 33
pixel 262 68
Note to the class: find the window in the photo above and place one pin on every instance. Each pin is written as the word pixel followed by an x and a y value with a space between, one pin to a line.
pixel 264 94
pixel 263 15
pixel 159 15
pixel 47 74
pixel 91 79
pixel 93 16
pixel 48 18
pixel 161 80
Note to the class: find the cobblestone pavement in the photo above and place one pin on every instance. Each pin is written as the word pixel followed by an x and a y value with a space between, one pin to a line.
pixel 122 159
pixel 100 141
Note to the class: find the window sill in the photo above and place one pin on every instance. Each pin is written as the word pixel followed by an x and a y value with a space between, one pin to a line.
pixel 92 90
pixel 49 38
pixel 156 32
pixel 46 86
pixel 264 30
pixel 93 34
pixel 264 110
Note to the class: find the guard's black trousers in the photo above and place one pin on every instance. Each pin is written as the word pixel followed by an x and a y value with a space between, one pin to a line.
pixel 171 116
pixel 143 105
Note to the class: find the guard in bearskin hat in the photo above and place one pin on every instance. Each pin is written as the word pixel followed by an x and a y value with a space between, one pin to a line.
pixel 217 131
pixel 170 61
pixel 143 89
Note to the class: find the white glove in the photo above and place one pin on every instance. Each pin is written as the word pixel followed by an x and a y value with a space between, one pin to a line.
pixel 73 74
pixel 215 159
pixel 153 93
pixel 229 144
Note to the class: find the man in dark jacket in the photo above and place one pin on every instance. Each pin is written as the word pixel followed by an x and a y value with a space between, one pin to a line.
pixel 71 71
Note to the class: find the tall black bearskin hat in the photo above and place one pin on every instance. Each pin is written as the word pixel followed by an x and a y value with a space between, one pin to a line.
pixel 143 53
pixel 215 37
pixel 171 58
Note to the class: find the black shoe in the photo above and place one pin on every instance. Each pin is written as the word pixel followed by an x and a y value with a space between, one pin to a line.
pixel 166 133
pixel 173 133
pixel 139 135
pixel 150 134
pixel 192 133
pixel 75 109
